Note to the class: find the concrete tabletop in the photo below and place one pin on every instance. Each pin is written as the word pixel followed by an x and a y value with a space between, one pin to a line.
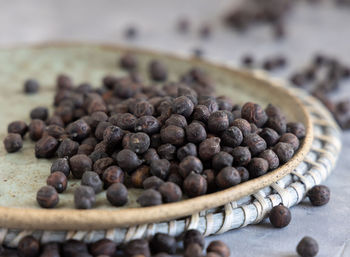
pixel 311 28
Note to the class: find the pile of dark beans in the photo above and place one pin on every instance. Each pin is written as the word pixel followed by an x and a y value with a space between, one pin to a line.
pixel 160 245
pixel 323 77
pixel 170 139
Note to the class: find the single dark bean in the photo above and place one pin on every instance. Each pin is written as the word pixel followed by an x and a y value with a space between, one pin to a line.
pixel 147 124
pixel 58 180
pixel 176 120
pixel 284 151
pixel 270 136
pixel 13 143
pixel 64 82
pixel 163 243
pixel 112 136
pixel 150 155
pixel 84 197
pixel 243 125
pixel 170 192
pixel 183 105
pixel 131 32
pixel 221 160
pixel 128 160
pixel 73 247
pixel 61 165
pixel 167 151
pixel 128 62
pixel 209 147
pixel 139 176
pixel 158 71
pixel 28 246
pixel 195 133
pixel 257 167
pixel 103 247
pixel 193 250
pixel 210 103
pixel 189 149
pixel 280 216
pixel 78 130
pixel 92 179
pixel 195 185
pixel 111 175
pixel 67 148
pixel 137 142
pixel 290 139
pixel 307 247
pixel 247 61
pixel 209 175
pixel 152 183
pixel 189 164
pixel 102 164
pixel 218 122
pixel 40 113
pixel 277 123
pixel 228 177
pixel 193 237
pixel 244 173
pixel 319 195
pixel 150 197
pixel 31 86
pixel 17 127
pixel 271 157
pixel 79 164
pixel 36 129
pixel 85 149
pixel 255 143
pixel 173 135
pixel 232 137
pixel 254 113
pixel 137 247
pixel 46 147
pixel 241 155
pixel 47 197
pixel 219 247
pixel 201 113
pixel 117 194
pixel 160 168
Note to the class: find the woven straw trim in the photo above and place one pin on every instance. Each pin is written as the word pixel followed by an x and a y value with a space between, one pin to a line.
pixel 290 190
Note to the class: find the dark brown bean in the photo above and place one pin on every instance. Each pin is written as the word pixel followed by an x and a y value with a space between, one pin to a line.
pixel 297 128
pixel 117 194
pixel 228 177
pixel 31 86
pixel 79 164
pixel 150 197
pixel 137 247
pixel 232 137
pixel 241 155
pixel 47 197
pixel 103 247
pixel 290 139
pixel 111 175
pixel 307 247
pixel 221 160
pixel 84 197
pixel 170 192
pixel 139 176
pixel 271 157
pixel 219 247
pixel 173 135
pixel 195 133
pixel 189 149
pixel 167 151
pixel 195 185
pixel 17 127
pixel 255 143
pixel 193 237
pixel 270 136
pixel 128 160
pixel 58 180
pixel 284 151
pixel 201 113
pixel 46 147
pixel 36 129
pixel 61 165
pixel 189 164
pixel 128 62
pixel 158 71
pixel 183 105
pixel 258 167
pixel 160 168
pixel 40 113
pixel 102 164
pixel 147 124
pixel 78 130
pixel 254 113
pixel 244 173
pixel 137 142
pixel 67 148
pixel 209 147
pixel 13 143
pixel 92 179
pixel 28 246
pixel 153 182
pixel 319 195
pixel 280 216
pixel 218 122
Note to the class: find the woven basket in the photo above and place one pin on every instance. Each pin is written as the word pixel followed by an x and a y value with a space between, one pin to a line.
pixel 21 174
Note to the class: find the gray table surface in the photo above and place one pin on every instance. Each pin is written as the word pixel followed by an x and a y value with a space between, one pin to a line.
pixel 311 28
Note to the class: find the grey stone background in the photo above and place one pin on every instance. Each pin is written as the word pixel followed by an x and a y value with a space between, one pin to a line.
pixel 311 28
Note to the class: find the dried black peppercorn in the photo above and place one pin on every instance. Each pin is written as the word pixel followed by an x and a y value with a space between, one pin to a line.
pixel 170 192
pixel 270 136
pixel 101 164
pixel 307 247
pixel 189 164
pixel 147 124
pixel 222 160
pixel 228 177
pixel 232 137
pixel 78 130
pixel 284 151
pixel 219 247
pixel 137 247
pixel 257 167
pixel 31 86
pixel 84 197
pixel 241 155
pixel 150 155
pixel 40 113
pixel 290 139
pixel 193 250
pixel 111 175
pixel 62 165
pixel 218 122
pixel 64 82
pixel 271 157
pixel 210 103
pixel 28 246
pixel 67 148
pixel 17 127
pixel 103 247
pixel 79 164
pixel 297 129
pixel 254 113
pixel 117 194
pixel 73 247
pixel 13 143
pixel 128 160
pixel 152 183
pixel 195 185
pixel 193 237
pixel 319 195
pixel 243 125
pixel 173 135
pixel 47 197
pixel 280 216
pixel 150 197
pixel 255 143
pixel 244 173
pixel 92 179
pixel 208 148
pixel 158 71
pixel 183 105
pixel 58 180
pixel 201 113
pixel 46 147
pixel 195 133
pixel 112 135
pixel 167 151
pixel 128 62
pixel 137 142
pixel 176 120
pixel 163 243
pixel 36 129
pixel 189 149
pixel 160 168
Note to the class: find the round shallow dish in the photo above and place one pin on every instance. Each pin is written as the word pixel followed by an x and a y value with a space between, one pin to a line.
pixel 21 174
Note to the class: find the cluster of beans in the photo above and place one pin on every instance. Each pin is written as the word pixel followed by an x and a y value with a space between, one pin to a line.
pixel 160 245
pixel 169 140
pixel 270 63
pixel 323 77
